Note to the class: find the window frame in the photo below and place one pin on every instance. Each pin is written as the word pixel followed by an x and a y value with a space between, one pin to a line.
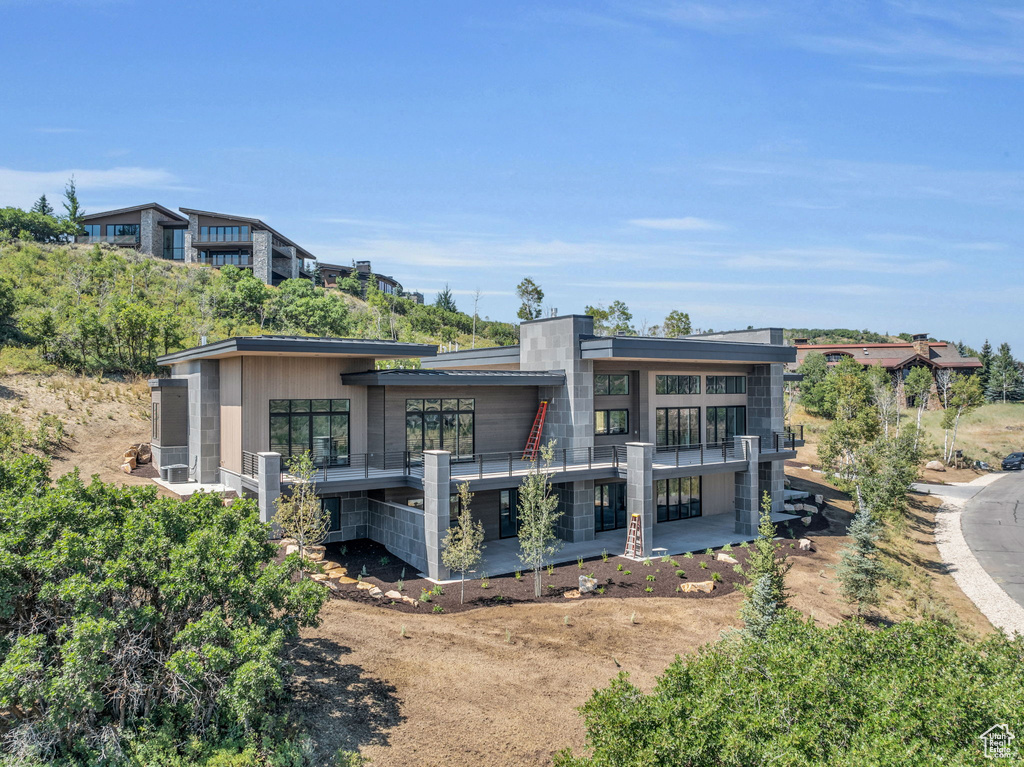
pixel 603 384
pixel 721 384
pixel 694 423
pixel 298 410
pixel 668 384
pixel 607 413
pixel 709 421
pixel 462 412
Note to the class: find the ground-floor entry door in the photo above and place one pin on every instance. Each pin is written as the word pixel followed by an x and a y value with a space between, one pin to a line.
pixel 610 506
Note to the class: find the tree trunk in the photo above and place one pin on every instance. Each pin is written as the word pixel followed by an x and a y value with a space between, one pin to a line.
pixel 536 582
pixel 462 595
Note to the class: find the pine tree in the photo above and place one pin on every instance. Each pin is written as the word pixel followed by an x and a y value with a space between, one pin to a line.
pixel 860 571
pixel 73 212
pixel 445 301
pixel 766 594
pixel 1004 376
pixel 532 297
pixel 986 364
pixel 42 206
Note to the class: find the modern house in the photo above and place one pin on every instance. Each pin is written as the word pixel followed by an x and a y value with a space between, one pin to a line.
pixel 152 229
pixel 667 429
pixel 897 358
pixel 332 274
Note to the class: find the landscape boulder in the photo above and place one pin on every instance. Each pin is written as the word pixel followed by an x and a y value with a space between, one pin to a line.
pixel 788 507
pixel 126 468
pixel 819 499
pixel 145 454
pixel 335 569
pixel 364 585
pixel 722 557
pixel 318 577
pixel 409 600
pixel 587 584
pixel 806 521
pixel 574 594
pixel 376 593
pixel 705 586
pixel 344 579
pixel 804 544
pixel 393 595
pixel 291 548
pixel 935 466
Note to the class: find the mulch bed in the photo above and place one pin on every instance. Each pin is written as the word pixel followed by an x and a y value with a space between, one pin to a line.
pixel 616 577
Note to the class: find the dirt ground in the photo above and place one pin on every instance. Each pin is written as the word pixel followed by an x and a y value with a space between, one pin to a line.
pixel 101 418
pixel 500 685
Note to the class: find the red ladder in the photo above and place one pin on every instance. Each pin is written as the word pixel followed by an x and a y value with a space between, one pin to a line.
pixel 635 538
pixel 533 443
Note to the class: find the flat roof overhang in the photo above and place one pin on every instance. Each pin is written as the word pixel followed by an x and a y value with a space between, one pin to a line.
pixel 683 350
pixel 300 346
pixel 491 355
pixel 455 378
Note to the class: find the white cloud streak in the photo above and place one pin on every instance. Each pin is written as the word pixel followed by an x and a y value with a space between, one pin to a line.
pixel 685 224
pixel 23 187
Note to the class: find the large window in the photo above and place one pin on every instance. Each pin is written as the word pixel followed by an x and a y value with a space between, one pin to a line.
pixel 610 506
pixel 611 422
pixel 611 384
pixel 677 498
pixel 224 233
pixel 727 385
pixel 677 384
pixel 440 424
pixel 225 257
pixel 677 425
pixel 333 507
pixel 122 230
pixel 92 230
pixel 317 425
pixel 174 244
pixel 508 513
pixel 724 423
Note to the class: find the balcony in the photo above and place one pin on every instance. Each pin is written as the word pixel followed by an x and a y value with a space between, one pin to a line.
pixel 124 240
pixel 224 259
pixel 223 237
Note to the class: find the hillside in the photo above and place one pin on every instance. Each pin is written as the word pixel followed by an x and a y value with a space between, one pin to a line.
pixel 102 309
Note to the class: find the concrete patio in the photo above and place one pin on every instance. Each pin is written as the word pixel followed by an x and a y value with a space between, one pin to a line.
pixel 697 534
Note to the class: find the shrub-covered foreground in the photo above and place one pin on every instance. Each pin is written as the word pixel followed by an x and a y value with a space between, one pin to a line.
pixel 141 630
pixel 912 694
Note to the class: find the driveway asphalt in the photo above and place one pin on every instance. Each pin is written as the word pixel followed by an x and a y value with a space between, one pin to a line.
pixel 993 526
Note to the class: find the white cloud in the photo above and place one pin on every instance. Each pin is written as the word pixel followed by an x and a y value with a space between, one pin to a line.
pixel 685 224
pixel 23 187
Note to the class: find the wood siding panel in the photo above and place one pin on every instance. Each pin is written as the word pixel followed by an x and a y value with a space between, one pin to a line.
pixel 231 414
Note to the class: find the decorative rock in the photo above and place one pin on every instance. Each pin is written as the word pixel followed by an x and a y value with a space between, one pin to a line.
pixel 287 542
pixel 318 577
pixel 145 454
pixel 788 507
pixel 409 600
pixel 376 593
pixel 574 594
pixel 726 558
pixel 314 556
pixel 806 521
pixel 332 586
pixel 819 499
pixel 935 466
pixel 804 544
pixel 126 468
pixel 587 584
pixel 706 586
pixel 364 585
pixel 316 549
pixel 291 548
pixel 392 594
pixel 335 569
pixel 345 579
pixel 130 453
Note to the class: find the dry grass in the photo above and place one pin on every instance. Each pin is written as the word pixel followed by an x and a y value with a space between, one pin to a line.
pixel 989 434
pixel 101 417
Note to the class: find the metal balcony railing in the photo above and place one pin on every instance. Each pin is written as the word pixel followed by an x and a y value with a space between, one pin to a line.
pixel 250 464
pixel 130 240
pixel 790 439
pixel 697 455
pixel 223 237
pixel 225 259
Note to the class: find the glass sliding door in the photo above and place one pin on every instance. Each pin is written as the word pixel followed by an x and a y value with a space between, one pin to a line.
pixel 677 426
pixel 508 514
pixel 724 423
pixel 610 506
pixel 677 498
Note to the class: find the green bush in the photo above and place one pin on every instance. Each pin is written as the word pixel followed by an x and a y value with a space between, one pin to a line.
pixel 846 696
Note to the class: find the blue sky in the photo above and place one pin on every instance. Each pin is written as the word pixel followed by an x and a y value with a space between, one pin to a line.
pixel 789 163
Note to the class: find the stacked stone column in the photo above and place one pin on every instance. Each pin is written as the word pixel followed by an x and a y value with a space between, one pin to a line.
pixel 437 479
pixel 640 489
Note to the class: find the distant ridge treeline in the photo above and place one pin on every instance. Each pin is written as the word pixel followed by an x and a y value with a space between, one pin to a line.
pixel 102 309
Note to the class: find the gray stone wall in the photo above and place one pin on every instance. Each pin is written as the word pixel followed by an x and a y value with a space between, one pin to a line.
pixel 354 517
pixel 765 406
pixel 269 483
pixel 640 489
pixel 168 456
pixel 576 502
pixel 747 494
pixel 772 477
pixel 203 419
pixel 262 256
pixel 400 529
pixel 553 344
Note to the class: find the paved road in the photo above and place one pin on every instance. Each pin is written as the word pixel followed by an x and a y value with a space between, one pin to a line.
pixel 993 526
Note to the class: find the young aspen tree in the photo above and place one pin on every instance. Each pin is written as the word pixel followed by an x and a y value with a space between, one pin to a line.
pixel 537 516
pixel 463 544
pixel 301 515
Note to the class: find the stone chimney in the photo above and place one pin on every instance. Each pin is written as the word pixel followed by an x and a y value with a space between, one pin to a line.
pixel 921 344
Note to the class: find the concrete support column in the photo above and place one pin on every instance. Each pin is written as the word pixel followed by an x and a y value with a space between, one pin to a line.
pixel 771 477
pixel 437 479
pixel 640 489
pixel 576 502
pixel 269 478
pixel 295 263
pixel 262 257
pixel 747 492
pixel 204 420
pixel 191 238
